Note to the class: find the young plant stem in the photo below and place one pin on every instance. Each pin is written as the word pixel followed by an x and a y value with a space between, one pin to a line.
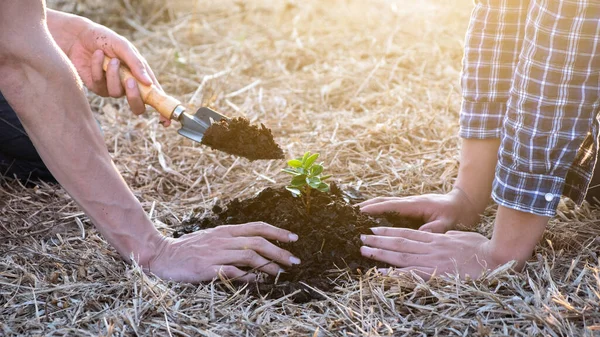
pixel 307 198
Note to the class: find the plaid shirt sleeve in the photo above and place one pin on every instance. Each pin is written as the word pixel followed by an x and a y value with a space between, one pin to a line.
pixel 530 78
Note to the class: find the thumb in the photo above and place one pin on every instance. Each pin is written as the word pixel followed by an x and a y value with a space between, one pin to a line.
pixel 406 208
pixel 437 226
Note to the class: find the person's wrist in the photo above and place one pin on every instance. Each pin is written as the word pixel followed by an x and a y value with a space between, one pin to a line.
pixel 151 249
pixel 499 254
pixel 469 212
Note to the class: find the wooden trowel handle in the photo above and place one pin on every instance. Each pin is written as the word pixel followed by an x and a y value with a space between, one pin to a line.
pixel 151 94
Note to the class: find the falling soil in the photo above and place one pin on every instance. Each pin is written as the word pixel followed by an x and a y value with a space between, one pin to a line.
pixel 329 240
pixel 239 138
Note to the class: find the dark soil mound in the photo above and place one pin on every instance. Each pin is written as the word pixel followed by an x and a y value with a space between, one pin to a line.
pixel 239 138
pixel 329 236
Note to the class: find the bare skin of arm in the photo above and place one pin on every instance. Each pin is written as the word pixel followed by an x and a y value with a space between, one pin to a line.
pixel 463 205
pixel 514 238
pixel 40 83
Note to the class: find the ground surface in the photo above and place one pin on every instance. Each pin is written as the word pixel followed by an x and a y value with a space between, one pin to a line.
pixel 373 87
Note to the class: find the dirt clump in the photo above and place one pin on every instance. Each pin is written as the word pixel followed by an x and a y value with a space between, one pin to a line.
pixel 238 137
pixel 329 236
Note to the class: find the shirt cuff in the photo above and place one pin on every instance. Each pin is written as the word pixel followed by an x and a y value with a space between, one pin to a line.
pixel 481 120
pixel 537 194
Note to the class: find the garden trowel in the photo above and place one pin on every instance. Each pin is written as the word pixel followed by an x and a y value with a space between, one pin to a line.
pixel 192 126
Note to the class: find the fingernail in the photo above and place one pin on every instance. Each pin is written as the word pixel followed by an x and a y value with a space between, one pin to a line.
pixel 130 83
pixel 375 230
pixel 114 62
pixel 363 237
pixel 294 260
pixel 366 251
pixel 293 237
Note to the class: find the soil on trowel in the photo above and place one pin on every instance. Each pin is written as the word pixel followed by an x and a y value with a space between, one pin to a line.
pixel 239 138
pixel 329 240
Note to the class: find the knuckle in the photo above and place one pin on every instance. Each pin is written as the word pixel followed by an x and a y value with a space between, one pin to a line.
pixel 258 242
pixel 399 243
pixel 248 256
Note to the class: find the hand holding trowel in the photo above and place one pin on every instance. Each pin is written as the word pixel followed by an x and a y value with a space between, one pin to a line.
pixel 192 126
pixel 234 136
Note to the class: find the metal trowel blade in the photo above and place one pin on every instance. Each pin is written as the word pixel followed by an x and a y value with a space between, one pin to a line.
pixel 194 126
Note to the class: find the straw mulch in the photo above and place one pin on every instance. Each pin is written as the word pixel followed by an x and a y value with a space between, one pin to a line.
pixel 372 86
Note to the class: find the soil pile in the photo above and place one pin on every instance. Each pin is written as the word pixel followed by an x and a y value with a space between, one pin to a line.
pixel 329 236
pixel 239 138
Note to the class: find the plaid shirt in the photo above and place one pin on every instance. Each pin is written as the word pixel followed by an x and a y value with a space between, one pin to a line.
pixel 531 78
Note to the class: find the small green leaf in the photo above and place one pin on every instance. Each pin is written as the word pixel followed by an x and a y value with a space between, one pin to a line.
pixel 289 171
pixel 323 187
pixel 313 182
pixel 299 180
pixel 295 163
pixel 310 160
pixel 306 155
pixel 326 177
pixel 315 170
pixel 296 192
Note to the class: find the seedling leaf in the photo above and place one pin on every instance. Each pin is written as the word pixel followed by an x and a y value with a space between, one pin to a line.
pixel 299 180
pixel 315 170
pixel 295 163
pixel 292 172
pixel 296 192
pixel 323 187
pixel 306 155
pixel 310 160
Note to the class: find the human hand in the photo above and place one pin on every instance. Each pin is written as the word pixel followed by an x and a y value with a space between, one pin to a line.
pixel 86 51
pixel 426 254
pixel 439 212
pixel 206 254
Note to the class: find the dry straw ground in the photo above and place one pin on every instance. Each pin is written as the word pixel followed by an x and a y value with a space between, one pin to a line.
pixel 372 85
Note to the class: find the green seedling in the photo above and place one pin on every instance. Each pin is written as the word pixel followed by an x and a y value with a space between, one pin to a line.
pixel 306 176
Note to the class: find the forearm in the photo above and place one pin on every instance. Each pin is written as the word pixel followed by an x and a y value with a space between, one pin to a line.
pixel 478 159
pixel 49 100
pixel 515 235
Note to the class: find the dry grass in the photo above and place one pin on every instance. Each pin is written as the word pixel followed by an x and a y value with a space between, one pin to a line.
pixel 373 87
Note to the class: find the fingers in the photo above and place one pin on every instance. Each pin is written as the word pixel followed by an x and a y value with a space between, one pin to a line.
pixel 397 244
pixel 375 201
pixel 248 258
pixel 134 97
pixel 259 229
pixel 125 51
pixel 234 274
pixel 113 81
pixel 266 249
pixel 406 207
pixel 406 233
pixel 115 87
pixel 399 259
pixel 164 122
pixel 437 226
pixel 98 77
